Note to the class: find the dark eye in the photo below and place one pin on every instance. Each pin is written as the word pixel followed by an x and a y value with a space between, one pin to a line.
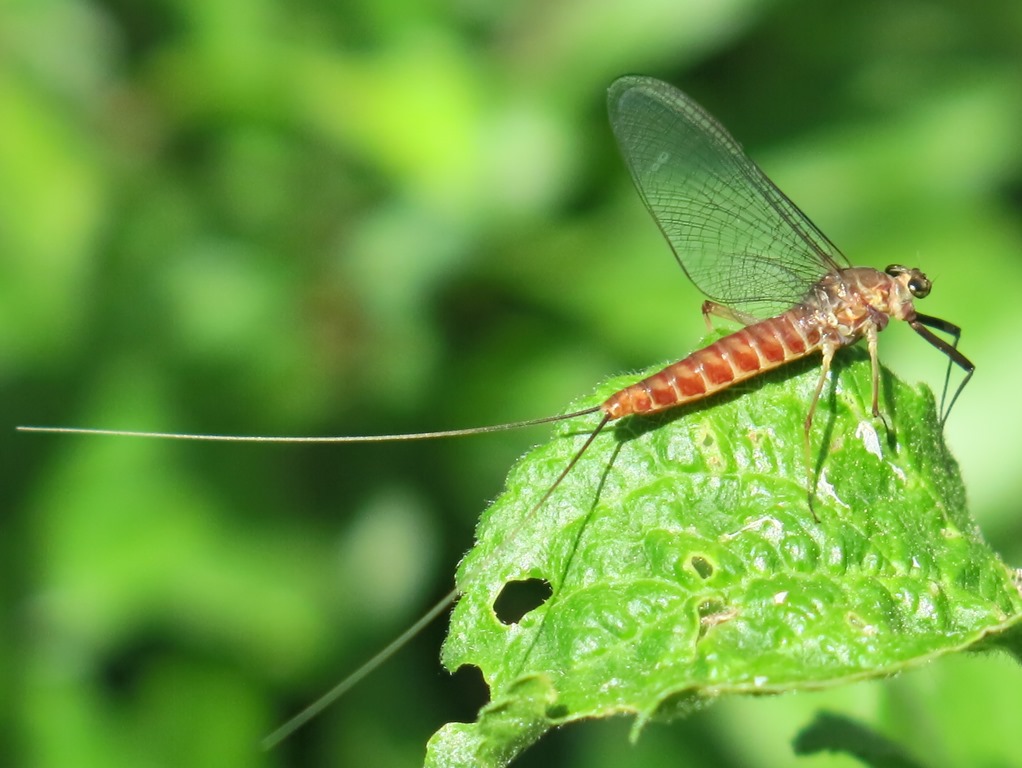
pixel 919 288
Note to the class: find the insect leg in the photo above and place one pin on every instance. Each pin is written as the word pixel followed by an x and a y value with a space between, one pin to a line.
pixel 872 334
pixel 951 350
pixel 828 355
pixel 720 310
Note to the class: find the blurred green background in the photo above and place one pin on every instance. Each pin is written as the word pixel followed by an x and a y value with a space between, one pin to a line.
pixel 372 217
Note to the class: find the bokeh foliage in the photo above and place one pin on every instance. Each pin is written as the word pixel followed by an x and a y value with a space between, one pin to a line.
pixel 376 217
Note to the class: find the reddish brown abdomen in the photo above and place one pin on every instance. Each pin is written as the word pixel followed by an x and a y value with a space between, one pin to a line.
pixel 734 358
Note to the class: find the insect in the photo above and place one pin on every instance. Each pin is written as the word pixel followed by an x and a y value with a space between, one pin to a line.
pixel 758 259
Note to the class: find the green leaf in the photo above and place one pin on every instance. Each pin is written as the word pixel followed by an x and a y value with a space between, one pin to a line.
pixel 685 562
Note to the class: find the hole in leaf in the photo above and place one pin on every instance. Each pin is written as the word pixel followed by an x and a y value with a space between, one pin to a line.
pixel 517 598
pixel 709 608
pixel 701 566
pixel 471 692
pixel 713 612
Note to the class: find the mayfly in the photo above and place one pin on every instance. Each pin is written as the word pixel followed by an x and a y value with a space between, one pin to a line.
pixel 758 259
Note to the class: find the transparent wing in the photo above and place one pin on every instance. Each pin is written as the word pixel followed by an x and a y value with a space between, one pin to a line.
pixel 736 235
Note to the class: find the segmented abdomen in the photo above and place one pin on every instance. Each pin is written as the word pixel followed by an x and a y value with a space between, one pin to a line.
pixel 739 356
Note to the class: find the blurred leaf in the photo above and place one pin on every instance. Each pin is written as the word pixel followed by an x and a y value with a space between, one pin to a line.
pixel 685 563
pixel 834 733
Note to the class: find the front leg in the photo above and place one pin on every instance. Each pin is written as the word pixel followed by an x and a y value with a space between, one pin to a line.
pixel 951 350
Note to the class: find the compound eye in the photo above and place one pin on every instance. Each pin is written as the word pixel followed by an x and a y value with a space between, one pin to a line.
pixel 896 269
pixel 920 287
